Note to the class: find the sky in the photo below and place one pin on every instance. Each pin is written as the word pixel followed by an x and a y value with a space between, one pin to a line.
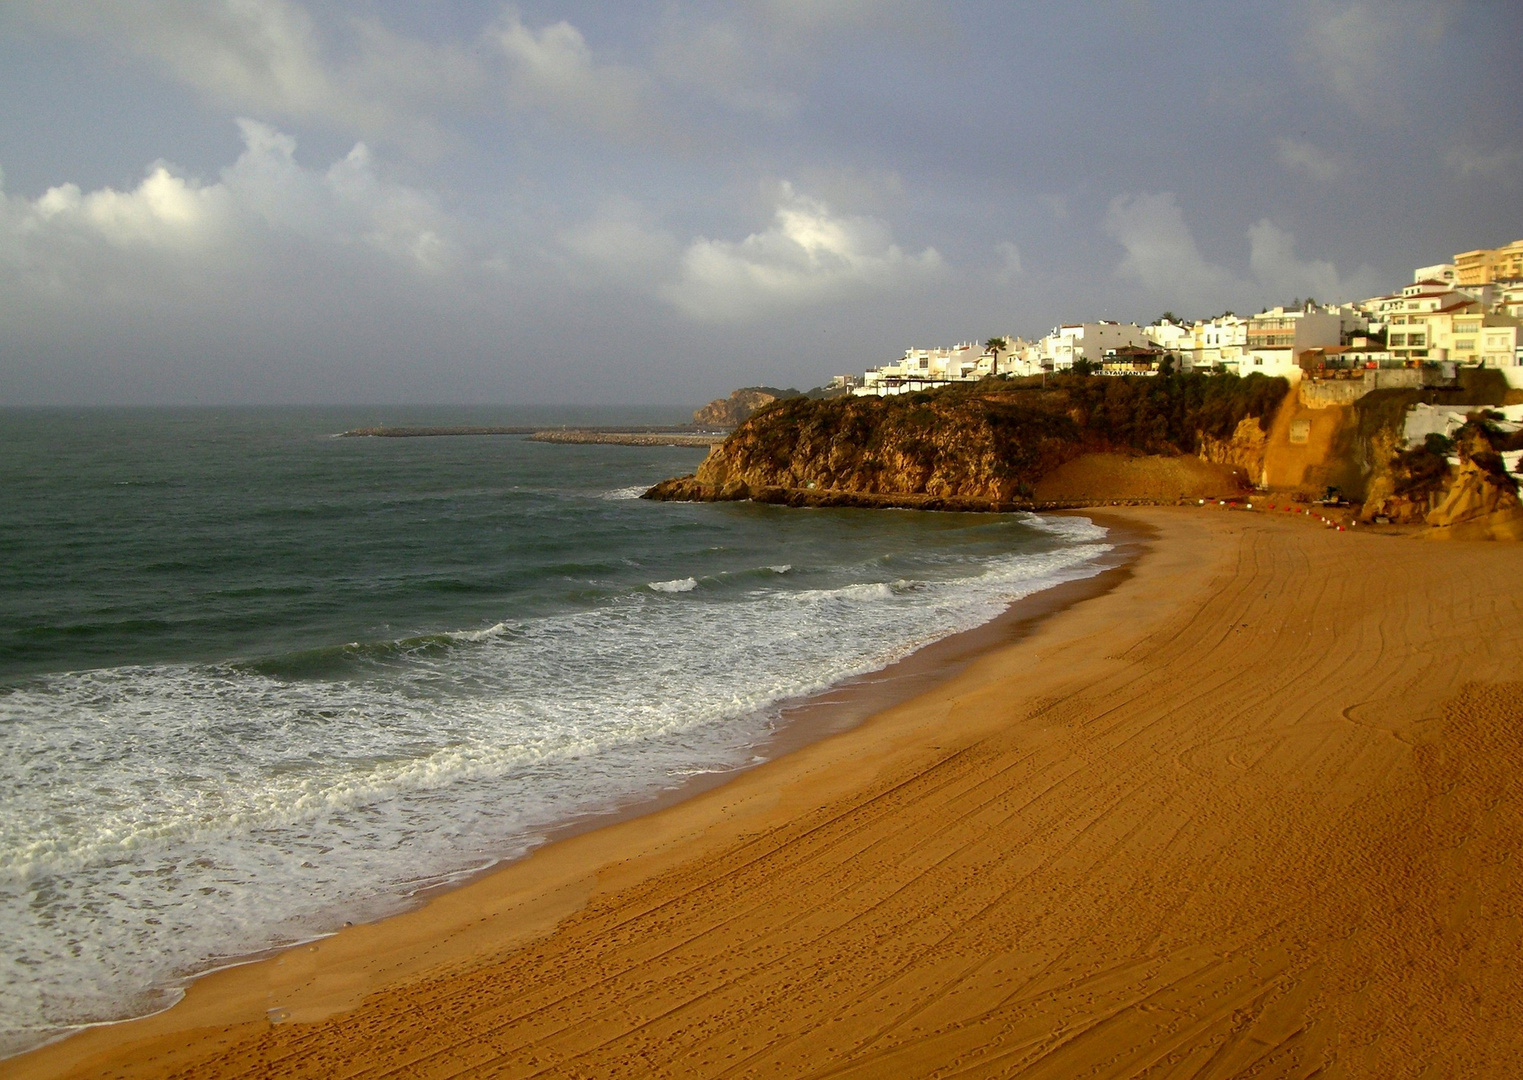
pixel 278 201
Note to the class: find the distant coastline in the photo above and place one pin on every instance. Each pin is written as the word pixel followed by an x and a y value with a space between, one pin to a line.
pixel 616 436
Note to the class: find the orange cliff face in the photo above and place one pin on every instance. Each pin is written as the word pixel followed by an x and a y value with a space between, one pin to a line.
pixel 738 407
pixel 1311 447
pixel 998 445
pixel 1320 439
pixel 950 447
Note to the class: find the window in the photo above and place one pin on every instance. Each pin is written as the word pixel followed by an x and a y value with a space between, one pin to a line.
pixel 1398 339
pixel 1467 345
pixel 1417 339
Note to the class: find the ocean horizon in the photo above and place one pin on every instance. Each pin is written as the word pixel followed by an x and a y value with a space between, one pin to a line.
pixel 257 682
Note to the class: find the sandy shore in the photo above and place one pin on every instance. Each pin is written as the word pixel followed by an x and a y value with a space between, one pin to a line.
pixel 1255 811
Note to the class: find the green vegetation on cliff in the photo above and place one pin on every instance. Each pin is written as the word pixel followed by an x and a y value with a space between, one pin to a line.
pixel 989 441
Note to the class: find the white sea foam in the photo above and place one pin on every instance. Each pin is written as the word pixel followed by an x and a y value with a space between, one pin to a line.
pixel 495 630
pixel 619 494
pixel 161 819
pixel 679 585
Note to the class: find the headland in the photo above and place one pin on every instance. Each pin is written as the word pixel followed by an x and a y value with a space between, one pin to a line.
pixel 1077 440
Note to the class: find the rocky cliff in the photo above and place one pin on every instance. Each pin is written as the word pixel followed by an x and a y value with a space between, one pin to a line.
pixel 1481 499
pixel 988 445
pixel 929 444
pixel 1418 484
pixel 1243 450
pixel 1475 494
pixel 739 406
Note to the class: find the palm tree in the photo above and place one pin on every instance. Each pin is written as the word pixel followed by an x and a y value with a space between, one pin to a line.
pixel 996 344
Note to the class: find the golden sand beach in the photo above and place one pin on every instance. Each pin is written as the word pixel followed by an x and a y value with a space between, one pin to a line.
pixel 1254 811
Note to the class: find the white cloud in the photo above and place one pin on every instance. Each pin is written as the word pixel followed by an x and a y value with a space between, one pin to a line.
pixel 1162 256
pixel 299 61
pixel 1056 205
pixel 164 211
pixel 1365 51
pixel 1161 253
pixel 721 62
pixel 553 69
pixel 808 256
pixel 1275 266
pixel 272 58
pixel 1351 45
pixel 620 247
pixel 269 58
pixel 762 56
pixel 254 52
pixel 1299 156
pixel 109 240
pixel 1470 162
pixel 807 17
pixel 1010 265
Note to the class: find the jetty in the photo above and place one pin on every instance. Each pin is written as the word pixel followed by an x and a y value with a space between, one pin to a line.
pixel 619 436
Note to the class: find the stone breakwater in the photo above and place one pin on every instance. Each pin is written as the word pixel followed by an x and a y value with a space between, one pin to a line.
pixel 630 438
pixel 429 432
pixel 624 436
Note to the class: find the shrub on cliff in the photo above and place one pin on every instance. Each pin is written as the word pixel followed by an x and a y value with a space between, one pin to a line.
pixel 1422 470
pixel 990 440
pixel 1171 413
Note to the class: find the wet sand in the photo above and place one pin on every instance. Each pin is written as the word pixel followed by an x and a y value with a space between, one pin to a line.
pixel 1253 811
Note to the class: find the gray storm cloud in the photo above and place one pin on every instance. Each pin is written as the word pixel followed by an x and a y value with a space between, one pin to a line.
pixel 484 201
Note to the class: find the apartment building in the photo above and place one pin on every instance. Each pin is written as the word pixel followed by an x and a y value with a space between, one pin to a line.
pixel 1174 339
pixel 1427 330
pixel 927 369
pixel 1486 265
pixel 1275 338
pixel 1501 346
pixel 1216 344
pixel 1444 273
pixel 1425 294
pixel 1088 341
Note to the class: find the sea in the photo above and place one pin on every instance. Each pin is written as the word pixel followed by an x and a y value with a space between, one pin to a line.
pixel 258 681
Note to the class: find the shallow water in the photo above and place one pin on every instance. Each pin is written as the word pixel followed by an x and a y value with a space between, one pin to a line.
pixel 256 681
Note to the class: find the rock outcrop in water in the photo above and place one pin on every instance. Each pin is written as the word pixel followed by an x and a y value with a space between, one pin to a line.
pixel 987 446
pixel 739 406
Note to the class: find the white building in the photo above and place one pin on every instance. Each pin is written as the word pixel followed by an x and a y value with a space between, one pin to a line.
pixel 1173 338
pixel 1277 337
pixel 927 369
pixel 1510 299
pixel 1444 273
pixel 1216 344
pixel 1425 295
pixel 1502 347
pixel 1088 341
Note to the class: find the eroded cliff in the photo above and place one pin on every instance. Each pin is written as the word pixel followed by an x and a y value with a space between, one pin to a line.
pixel 990 445
pixel 739 406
